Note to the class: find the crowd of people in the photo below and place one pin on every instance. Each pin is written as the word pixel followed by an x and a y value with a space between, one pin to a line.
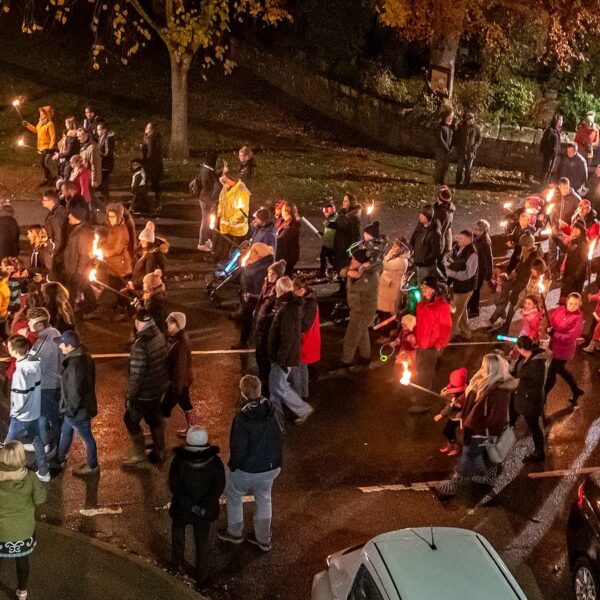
pixel 422 293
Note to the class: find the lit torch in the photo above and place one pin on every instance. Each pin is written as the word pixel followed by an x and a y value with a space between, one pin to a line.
pixel 92 275
pixel 542 291
pixel 21 143
pixel 94 280
pixel 245 258
pixel 507 205
pixel 213 220
pixel 239 204
pixel 97 252
pixel 546 231
pixel 549 194
pixel 405 380
pixel 549 208
pixel 592 249
pixel 16 105
pixel 370 209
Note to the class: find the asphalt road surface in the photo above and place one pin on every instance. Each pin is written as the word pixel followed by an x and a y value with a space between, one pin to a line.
pixel 330 493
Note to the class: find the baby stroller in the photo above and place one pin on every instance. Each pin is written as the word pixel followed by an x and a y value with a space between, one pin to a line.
pixel 228 272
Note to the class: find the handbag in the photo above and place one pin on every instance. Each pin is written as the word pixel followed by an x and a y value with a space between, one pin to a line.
pixel 498 446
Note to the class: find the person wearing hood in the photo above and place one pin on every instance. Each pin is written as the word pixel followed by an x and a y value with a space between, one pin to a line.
pixel 78 401
pixel 263 317
pixel 285 342
pixel 151 255
pixel 145 387
pixel 427 244
pixel 391 281
pixel 263 228
pixel 288 238
pixel 485 264
pixel 565 327
pixel 573 167
pixel 443 213
pixel 196 482
pixel 550 149
pixel 9 231
pixel 255 458
pixel 116 246
pixel 575 267
pixel 46 140
pixel 20 493
pixel 588 137
pixel 466 140
pixel 106 148
pixel 68 146
pixel 485 413
pixel 432 333
pixel 91 121
pixel 254 271
pixel 529 398
pixel 443 147
pixel 154 296
pixel 462 277
pixel 42 250
pixel 247 165
pixel 26 402
pixel 363 286
pixel 179 370
pixel 206 187
pixel 91 157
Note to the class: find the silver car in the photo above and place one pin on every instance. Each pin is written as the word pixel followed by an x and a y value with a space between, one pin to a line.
pixel 418 564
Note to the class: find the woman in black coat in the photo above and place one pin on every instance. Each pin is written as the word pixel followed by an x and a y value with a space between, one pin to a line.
pixel 347 231
pixel 529 397
pixel 196 480
pixel 288 238
pixel 576 261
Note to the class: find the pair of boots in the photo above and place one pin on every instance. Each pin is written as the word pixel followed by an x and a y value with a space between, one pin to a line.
pixel 592 346
pixel 138 450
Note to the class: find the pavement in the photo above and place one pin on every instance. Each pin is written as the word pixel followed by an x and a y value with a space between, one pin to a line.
pixel 70 566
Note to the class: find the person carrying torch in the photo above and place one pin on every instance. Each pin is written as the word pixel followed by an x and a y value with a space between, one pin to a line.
pixel 432 332
pixel 46 141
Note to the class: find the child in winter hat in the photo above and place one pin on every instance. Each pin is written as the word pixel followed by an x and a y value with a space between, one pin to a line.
pixel 455 392
pixel 153 282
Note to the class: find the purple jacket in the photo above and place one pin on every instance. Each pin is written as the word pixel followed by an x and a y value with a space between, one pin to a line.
pixel 567 328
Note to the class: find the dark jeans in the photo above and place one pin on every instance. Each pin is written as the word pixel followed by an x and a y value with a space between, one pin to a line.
pixel 50 416
pixel 473 305
pixel 22 564
pixel 149 411
pixel 537 433
pixel 45 158
pixel 450 430
pixel 442 163
pixel 173 397
pixel 84 428
pixel 327 255
pixel 103 187
pixel 247 318
pixel 558 367
pixel 463 167
pixel 155 187
pixel 201 537
pixel 546 169
pixel 427 366
pixel 29 431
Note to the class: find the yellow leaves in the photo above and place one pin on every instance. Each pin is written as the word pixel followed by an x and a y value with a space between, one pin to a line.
pixel 6 8
pixel 133 49
pixel 124 60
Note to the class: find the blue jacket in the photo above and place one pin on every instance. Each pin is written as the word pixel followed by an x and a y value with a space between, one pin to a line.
pixel 267 234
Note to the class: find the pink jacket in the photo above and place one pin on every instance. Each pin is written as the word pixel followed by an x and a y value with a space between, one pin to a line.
pixel 530 323
pixel 82 178
pixel 567 328
pixel 596 298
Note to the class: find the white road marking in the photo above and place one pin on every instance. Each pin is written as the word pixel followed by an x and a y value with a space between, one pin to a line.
pixel 92 512
pixel 564 472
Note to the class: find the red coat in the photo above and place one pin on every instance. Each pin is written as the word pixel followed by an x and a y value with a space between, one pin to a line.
pixel 434 324
pixel 567 328
pixel 310 352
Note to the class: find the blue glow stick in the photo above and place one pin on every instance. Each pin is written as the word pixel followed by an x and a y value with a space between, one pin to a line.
pixel 506 338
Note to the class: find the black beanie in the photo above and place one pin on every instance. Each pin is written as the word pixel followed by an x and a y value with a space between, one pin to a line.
pixel 430 281
pixel 373 229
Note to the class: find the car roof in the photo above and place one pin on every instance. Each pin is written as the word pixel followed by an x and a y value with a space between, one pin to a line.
pixel 464 565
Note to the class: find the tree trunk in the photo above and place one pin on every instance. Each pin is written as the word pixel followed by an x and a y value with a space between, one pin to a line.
pixel 178 146
pixel 448 27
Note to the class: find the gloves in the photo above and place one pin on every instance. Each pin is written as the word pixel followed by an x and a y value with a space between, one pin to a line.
pixel 198 511
pixel 24 123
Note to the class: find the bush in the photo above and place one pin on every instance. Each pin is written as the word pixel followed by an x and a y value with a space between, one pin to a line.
pixel 380 81
pixel 514 98
pixel 575 103
pixel 473 96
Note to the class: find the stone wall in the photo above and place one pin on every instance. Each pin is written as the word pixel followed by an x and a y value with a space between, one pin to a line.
pixel 384 122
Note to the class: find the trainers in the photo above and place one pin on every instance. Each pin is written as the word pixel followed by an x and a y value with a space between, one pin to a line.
pixel 224 535
pixel 251 539
pixel 204 248
pixel 21 594
pixel 302 419
pixel 84 470
pixel 134 459
pixel 45 478
pixel 182 433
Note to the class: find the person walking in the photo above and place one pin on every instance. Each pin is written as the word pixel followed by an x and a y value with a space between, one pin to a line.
pixel 78 401
pixel 232 211
pixel 145 387
pixel 20 493
pixel 575 266
pixel 55 224
pixel 550 149
pixel 46 141
pixel 565 327
pixel 255 458
pixel 427 245
pixel 432 333
pixel 466 141
pixel 196 481
pixel 462 277
pixel 485 413
pixel 179 371
pixel 206 187
pixel 485 264
pixel 529 399
pixel 152 157
pixel 285 340
pixel 26 402
pixel 573 167
pixel 44 350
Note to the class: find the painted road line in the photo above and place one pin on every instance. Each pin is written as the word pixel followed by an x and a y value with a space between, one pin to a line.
pixel 564 472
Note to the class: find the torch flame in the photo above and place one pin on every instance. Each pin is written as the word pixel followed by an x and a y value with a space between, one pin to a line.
pixel 97 252
pixel 245 258
pixel 16 103
pixel 507 205
pixel 541 288
pixel 547 231
pixel 213 220
pixel 549 195
pixel 592 248
pixel 530 211
pixel 549 208
pixel 239 203
pixel 20 142
pixel 370 208
pixel 503 223
pixel 406 374
pixel 92 275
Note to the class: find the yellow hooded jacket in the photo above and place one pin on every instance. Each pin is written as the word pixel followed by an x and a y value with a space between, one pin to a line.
pixel 46 134
pixel 232 219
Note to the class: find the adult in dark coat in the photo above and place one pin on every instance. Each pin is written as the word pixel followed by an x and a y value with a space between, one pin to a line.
pixel 466 141
pixel 9 231
pixel 347 231
pixel 288 238
pixel 550 149
pixel 573 166
pixel 263 228
pixel 529 399
pixel 593 189
pixel 206 187
pixel 443 213
pixel 55 224
pixel 78 400
pixel 152 155
pixel 427 244
pixel 483 245
pixel 196 481
pixel 106 148
pixel 443 147
pixel 576 261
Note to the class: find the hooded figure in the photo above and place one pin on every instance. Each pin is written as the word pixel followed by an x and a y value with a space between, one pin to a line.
pixel 395 264
pixel 46 139
pixel 9 231
pixel 116 246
